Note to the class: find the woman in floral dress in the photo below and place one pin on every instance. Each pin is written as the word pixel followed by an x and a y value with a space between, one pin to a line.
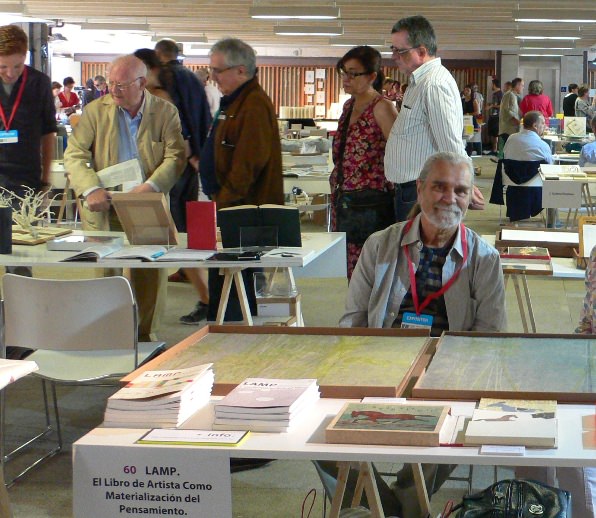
pixel 363 128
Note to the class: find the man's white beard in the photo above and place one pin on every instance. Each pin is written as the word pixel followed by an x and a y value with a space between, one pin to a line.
pixel 448 216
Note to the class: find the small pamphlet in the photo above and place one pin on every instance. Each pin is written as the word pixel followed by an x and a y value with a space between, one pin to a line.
pixel 177 437
pixel 491 449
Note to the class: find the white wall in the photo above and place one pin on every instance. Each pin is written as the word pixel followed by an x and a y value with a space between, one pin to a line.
pixel 64 67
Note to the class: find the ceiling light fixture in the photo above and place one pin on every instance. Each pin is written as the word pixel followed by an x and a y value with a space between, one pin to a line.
pixel 548 35
pixel 550 16
pixel 346 41
pixel 541 55
pixel 568 45
pixel 304 12
pixel 308 30
pixel 115 26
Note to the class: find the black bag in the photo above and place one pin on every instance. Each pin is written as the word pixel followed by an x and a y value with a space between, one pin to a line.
pixel 516 499
pixel 360 213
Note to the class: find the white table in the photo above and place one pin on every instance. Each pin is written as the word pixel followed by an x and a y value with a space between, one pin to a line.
pixel 306 442
pixel 563 268
pixel 329 260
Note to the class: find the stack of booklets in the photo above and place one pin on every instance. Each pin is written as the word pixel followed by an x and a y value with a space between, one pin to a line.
pixel 265 405
pixel 527 258
pixel 160 399
pixel 513 422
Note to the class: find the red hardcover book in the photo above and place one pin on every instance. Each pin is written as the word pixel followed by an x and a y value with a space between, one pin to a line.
pixel 200 225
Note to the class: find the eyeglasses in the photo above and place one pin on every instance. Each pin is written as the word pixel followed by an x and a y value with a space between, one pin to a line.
pixel 214 70
pixel 399 52
pixel 123 86
pixel 351 75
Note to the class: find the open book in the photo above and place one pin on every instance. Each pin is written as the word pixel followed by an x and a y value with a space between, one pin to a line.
pixel 264 225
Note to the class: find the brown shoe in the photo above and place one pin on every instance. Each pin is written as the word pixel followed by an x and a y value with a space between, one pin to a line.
pixel 178 276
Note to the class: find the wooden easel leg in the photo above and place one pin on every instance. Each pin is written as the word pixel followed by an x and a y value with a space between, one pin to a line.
pixel 244 305
pixel 421 489
pixel 370 488
pixel 225 295
pixel 340 489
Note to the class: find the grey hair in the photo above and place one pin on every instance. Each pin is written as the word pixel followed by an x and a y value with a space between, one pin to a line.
pixel 535 87
pixel 131 61
pixel 451 158
pixel 237 52
pixel 420 32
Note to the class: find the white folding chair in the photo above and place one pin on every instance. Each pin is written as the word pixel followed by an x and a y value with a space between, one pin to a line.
pixel 84 332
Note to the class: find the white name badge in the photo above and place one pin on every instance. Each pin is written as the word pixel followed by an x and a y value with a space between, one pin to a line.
pixel 9 137
pixel 414 321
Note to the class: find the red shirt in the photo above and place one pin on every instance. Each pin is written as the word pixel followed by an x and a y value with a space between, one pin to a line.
pixel 74 100
pixel 540 103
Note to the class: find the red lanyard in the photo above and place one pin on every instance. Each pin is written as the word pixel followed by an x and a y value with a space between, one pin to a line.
pixel 16 103
pixel 435 295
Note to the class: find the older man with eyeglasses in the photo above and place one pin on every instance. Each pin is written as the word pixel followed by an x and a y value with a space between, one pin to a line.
pixel 127 124
pixel 430 119
pixel 241 159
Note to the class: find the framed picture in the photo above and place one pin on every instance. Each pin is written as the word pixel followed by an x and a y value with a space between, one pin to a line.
pixel 390 424
pixel 145 218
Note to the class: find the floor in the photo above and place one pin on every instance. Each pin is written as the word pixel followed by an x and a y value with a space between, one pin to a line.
pixel 279 489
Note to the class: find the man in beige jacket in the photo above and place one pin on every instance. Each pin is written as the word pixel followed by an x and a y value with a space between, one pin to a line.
pixel 128 123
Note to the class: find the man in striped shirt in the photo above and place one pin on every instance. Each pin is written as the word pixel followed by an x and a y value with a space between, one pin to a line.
pixel 431 116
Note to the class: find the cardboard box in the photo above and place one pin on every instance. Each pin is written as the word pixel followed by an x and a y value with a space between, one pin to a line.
pixel 278 306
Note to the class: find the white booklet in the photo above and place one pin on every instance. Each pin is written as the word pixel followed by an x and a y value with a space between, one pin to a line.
pixel 94 253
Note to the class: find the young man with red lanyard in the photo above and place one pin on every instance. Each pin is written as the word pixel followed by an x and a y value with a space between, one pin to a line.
pixel 428 272
pixel 27 117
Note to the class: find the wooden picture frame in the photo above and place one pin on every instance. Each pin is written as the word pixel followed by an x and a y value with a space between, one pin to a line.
pixel 556 249
pixel 584 220
pixel 348 363
pixel 471 366
pixel 145 218
pixel 388 424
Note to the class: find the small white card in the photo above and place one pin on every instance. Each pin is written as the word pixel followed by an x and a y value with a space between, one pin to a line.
pixel 491 449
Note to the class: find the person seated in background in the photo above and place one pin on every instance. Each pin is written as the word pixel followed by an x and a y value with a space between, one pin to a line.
pixel 56 87
pixel 432 272
pixel 68 98
pixel 536 100
pixel 523 153
pixel 527 144
pixel 588 153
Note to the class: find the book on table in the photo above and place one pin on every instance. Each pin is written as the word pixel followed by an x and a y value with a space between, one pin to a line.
pixel 160 399
pixel 80 243
pixel 528 258
pixel 115 252
pixel 407 424
pixel 513 422
pixel 178 437
pixel 263 225
pixel 201 225
pixel 261 404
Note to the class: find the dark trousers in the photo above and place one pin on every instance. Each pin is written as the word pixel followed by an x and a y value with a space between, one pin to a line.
pixel 185 189
pixel 405 199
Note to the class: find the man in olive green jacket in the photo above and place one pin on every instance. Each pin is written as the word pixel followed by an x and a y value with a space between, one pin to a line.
pixel 128 123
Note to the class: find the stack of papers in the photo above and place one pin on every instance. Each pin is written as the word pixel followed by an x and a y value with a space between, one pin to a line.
pixel 160 399
pixel 265 405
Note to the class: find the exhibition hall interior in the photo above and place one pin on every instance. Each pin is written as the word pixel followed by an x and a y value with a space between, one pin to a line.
pixel 259 292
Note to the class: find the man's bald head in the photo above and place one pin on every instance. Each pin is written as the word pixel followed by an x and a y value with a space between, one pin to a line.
pixel 128 78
